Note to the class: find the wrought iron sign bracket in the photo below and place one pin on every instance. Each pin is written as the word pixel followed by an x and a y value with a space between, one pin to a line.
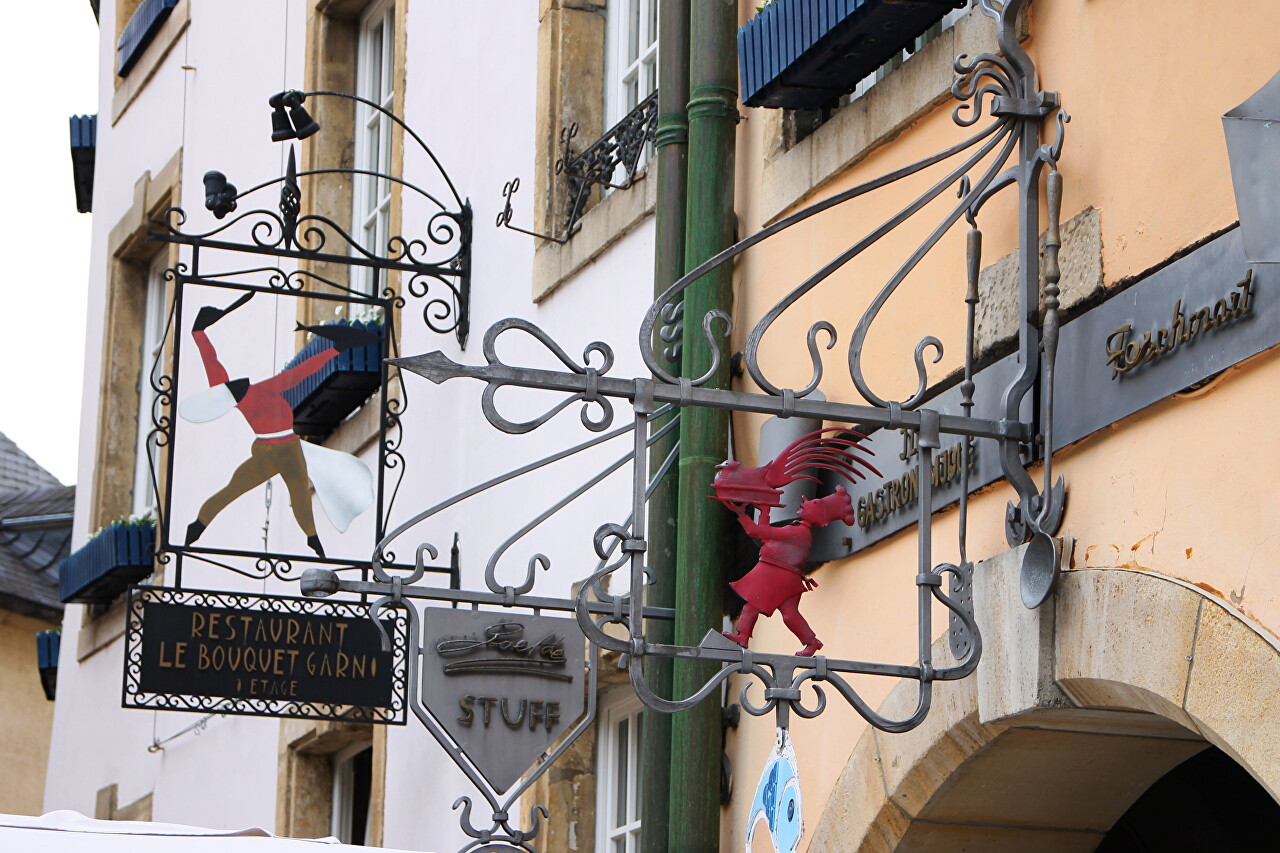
pixel 398 594
pixel 1042 105
pixel 391 588
pixel 1007 152
pixel 509 189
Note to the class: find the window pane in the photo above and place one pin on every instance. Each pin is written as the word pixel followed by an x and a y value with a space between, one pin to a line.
pixel 388 58
pixel 633 32
pixel 384 158
pixel 375 145
pixel 149 370
pixel 622 770
pixel 375 63
pixel 638 787
pixel 653 21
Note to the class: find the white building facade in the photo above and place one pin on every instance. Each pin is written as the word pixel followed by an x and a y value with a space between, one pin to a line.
pixel 194 98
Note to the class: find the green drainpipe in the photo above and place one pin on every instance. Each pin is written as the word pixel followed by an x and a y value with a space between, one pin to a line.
pixel 702 524
pixel 671 142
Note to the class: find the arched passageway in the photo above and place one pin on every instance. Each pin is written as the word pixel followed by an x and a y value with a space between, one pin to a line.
pixel 1086 722
pixel 1207 803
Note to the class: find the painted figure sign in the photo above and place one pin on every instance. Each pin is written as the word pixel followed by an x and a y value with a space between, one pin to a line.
pixel 778 580
pixel 343 484
pixel 504 686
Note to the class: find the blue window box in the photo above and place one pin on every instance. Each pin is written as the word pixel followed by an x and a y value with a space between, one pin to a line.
pixel 800 54
pixel 325 398
pixel 108 563
pixel 48 645
pixel 138 33
pixel 84 146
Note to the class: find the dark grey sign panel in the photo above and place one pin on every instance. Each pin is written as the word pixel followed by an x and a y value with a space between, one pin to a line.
pixel 1197 316
pixel 271 656
pixel 504 686
pixel 891 503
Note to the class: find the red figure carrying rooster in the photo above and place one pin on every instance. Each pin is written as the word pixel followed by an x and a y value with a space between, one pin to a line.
pixel 778 581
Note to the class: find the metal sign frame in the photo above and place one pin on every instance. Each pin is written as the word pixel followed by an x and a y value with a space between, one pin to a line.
pixel 1007 153
pixel 285 247
pixel 133 695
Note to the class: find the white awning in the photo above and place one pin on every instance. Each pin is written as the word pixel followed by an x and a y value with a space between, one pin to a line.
pixel 72 832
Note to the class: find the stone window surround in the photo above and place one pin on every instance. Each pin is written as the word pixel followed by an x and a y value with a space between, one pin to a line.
pixel 857 129
pixel 129 258
pixel 572 37
pixel 304 798
pixel 128 88
pixel 333 28
pixel 106 805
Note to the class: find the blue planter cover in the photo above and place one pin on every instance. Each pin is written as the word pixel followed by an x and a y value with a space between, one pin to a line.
pixel 800 54
pixel 106 565
pixel 322 400
pixel 139 32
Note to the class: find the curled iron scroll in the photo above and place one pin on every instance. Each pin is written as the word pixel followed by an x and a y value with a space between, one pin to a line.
pixel 595 424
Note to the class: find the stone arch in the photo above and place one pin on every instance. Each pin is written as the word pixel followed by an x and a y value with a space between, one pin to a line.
pixel 1076 710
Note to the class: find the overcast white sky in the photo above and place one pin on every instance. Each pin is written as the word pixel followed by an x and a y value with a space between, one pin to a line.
pixel 50 58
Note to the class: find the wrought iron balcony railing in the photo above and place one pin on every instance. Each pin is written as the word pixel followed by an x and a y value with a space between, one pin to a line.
pixel 611 161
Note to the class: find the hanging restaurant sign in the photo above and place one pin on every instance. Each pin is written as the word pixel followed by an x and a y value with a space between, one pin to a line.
pixel 275 656
pixel 226 361
pixel 777 809
pixel 504 686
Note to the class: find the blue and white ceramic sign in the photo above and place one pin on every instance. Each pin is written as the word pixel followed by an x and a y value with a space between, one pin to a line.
pixel 777 806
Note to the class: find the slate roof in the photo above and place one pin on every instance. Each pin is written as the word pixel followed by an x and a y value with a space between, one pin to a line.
pixel 20 471
pixel 35 534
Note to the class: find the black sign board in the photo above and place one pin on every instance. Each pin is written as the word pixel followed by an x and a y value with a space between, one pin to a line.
pixel 270 656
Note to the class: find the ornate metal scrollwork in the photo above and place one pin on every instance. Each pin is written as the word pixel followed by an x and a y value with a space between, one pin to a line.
pixel 296 254
pixel 441 256
pixel 620 148
pixel 398 588
pixel 1004 152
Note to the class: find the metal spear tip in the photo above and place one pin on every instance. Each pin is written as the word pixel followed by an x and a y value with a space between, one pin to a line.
pixel 319 583
pixel 435 366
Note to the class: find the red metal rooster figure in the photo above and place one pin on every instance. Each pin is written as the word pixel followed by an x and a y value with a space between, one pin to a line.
pixel 777 581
